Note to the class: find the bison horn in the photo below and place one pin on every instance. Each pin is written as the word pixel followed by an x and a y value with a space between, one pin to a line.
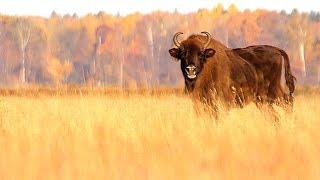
pixel 208 39
pixel 175 39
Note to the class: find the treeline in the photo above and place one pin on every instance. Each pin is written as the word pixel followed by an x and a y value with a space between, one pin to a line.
pixel 132 51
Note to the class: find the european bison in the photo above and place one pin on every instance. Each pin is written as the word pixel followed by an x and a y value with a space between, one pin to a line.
pixel 213 73
pixel 216 74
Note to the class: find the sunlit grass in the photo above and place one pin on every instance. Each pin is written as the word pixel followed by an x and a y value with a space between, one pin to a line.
pixel 153 136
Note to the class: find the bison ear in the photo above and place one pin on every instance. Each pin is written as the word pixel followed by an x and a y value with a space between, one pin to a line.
pixel 174 52
pixel 209 52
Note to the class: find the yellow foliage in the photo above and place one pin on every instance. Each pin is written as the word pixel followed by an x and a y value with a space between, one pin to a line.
pixel 58 70
pixel 233 9
pixel 128 23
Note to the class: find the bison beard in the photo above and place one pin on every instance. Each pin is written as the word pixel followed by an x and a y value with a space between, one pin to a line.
pixel 216 74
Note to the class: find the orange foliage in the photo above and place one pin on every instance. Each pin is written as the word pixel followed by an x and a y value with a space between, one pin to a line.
pixel 59 71
pixel 142 42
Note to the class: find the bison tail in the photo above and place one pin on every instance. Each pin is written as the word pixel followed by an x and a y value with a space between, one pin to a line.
pixel 290 79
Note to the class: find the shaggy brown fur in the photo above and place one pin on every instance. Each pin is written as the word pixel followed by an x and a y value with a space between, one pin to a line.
pixel 223 77
pixel 233 77
pixel 269 62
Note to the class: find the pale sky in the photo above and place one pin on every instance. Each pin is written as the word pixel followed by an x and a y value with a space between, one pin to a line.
pixel 82 7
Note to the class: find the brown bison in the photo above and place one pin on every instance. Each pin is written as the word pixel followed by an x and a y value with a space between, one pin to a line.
pixel 214 73
pixel 276 81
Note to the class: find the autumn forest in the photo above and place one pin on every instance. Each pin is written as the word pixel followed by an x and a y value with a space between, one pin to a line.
pixel 132 51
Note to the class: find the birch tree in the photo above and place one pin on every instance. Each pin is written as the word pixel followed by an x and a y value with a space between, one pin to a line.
pixel 97 63
pixel 301 38
pixel 121 60
pixel 2 61
pixel 22 32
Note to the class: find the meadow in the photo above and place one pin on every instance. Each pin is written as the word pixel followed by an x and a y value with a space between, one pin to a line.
pixel 151 134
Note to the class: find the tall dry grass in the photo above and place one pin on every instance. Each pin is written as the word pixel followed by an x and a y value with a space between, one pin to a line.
pixel 154 136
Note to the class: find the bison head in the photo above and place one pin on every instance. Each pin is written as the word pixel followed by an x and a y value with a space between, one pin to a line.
pixel 192 54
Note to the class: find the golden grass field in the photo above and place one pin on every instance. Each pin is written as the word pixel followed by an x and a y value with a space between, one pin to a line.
pixel 152 136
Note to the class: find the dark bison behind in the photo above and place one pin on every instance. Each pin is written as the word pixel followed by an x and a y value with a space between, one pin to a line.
pixel 276 81
pixel 215 74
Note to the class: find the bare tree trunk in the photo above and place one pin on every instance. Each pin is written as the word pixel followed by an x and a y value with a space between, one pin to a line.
pixel 227 39
pixel 101 73
pixel 23 70
pixel 94 66
pixel 104 78
pixel 151 59
pixel 318 77
pixel 24 34
pixel 145 75
pixel 302 58
pixel 6 72
pixel 303 35
pixel 158 65
pixel 84 76
pixel 98 73
pixel 95 57
pixel 121 68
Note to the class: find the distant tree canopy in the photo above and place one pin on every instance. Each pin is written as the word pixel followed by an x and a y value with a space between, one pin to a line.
pixel 132 51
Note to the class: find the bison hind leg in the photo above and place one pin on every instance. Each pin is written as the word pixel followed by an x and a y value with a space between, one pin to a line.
pixel 286 103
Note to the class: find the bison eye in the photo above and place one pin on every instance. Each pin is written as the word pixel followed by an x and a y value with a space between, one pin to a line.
pixel 201 55
pixel 182 55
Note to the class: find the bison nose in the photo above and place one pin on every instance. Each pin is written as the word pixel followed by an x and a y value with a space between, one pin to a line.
pixel 191 71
